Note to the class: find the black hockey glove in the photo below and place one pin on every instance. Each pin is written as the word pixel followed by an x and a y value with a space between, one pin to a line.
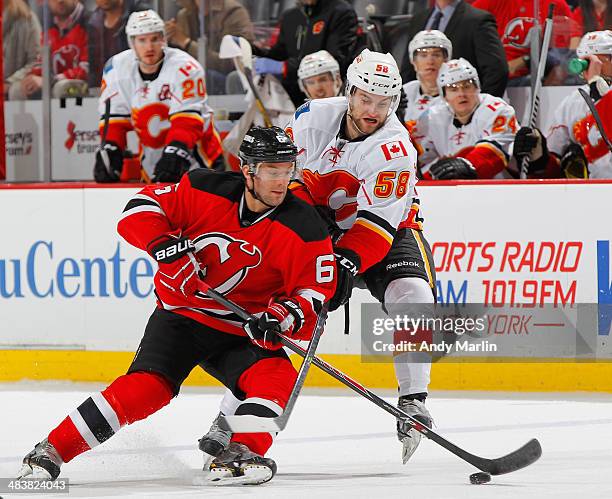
pixel 531 143
pixel 347 265
pixel 281 317
pixel 452 169
pixel 109 163
pixel 574 163
pixel 175 161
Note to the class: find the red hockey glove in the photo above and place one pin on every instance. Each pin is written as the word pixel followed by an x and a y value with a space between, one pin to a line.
pixel 281 317
pixel 176 270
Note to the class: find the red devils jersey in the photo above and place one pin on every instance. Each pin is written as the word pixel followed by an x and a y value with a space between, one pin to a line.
pixel 516 18
pixel 284 253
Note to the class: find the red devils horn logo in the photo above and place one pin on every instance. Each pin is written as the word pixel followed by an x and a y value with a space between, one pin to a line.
pixel 225 261
pixel 516 32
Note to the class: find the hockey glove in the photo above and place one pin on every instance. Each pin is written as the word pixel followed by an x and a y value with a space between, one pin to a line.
pixel 281 317
pixel 109 163
pixel 175 161
pixel 452 168
pixel 347 263
pixel 264 65
pixel 574 163
pixel 176 270
pixel 530 142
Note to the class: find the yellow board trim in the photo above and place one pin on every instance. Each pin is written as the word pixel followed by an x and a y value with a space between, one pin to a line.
pixel 543 376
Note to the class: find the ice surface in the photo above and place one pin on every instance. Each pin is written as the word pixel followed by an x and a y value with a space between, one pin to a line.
pixel 334 446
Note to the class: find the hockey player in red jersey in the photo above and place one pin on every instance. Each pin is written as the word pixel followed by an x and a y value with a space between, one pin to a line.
pixel 359 170
pixel 260 246
pixel 467 135
pixel 573 146
pixel 159 92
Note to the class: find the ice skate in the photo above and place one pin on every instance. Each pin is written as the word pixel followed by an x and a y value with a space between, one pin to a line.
pixel 216 440
pixel 239 465
pixel 42 463
pixel 409 437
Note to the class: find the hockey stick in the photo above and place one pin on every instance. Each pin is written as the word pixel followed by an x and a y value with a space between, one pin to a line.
pixel 230 49
pixel 596 117
pixel 520 458
pixel 255 424
pixel 534 107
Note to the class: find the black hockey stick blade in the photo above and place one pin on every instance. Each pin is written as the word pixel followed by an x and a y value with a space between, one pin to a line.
pixel 596 117
pixel 520 458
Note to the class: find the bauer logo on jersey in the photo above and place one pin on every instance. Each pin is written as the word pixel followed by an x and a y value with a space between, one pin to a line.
pixel 225 261
pixel 393 150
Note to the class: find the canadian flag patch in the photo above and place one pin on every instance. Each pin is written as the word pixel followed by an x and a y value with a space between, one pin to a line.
pixel 393 150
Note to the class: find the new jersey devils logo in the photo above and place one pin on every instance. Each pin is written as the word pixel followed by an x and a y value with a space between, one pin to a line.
pixel 225 261
pixel 516 32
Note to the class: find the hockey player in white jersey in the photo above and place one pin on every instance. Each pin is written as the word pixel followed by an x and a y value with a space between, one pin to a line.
pixel 319 75
pixel 428 50
pixel 469 134
pixel 574 147
pixel 160 93
pixel 359 170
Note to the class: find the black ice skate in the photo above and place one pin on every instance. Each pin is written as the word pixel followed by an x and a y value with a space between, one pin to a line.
pixel 409 437
pixel 43 463
pixel 239 465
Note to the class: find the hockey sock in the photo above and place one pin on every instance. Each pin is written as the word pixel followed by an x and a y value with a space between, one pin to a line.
pixel 267 385
pixel 129 398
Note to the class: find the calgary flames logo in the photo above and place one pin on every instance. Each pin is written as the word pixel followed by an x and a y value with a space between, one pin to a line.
pixel 225 261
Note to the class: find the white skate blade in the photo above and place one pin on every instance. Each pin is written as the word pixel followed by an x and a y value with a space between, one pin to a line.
pixel 409 446
pixel 253 475
pixel 25 471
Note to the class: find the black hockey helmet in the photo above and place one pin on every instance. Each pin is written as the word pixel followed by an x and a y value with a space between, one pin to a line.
pixel 267 145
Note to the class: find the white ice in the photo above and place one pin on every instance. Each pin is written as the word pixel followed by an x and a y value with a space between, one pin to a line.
pixel 335 446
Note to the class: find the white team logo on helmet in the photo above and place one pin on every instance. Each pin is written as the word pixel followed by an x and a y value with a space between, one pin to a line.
pixel 143 23
pixel 375 73
pixel 456 70
pixel 430 39
pixel 595 42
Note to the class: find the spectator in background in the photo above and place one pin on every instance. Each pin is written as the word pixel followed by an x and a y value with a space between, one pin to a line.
pixel 106 30
pixel 69 60
pixel 20 44
pixel 468 135
pixel 221 17
pixel 591 15
pixel 311 26
pixel 514 20
pixel 473 33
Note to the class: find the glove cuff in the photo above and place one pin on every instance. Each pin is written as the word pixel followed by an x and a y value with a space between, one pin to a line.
pixel 349 259
pixel 170 247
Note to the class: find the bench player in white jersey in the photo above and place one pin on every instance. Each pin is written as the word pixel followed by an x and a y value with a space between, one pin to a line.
pixel 428 50
pixel 359 170
pixel 319 75
pixel 160 93
pixel 469 134
pixel 574 147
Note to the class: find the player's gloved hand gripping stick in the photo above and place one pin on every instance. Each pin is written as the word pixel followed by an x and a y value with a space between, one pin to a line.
pixel 520 458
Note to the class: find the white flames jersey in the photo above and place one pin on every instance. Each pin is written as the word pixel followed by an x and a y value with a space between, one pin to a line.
pixel 573 122
pixel 149 107
pixel 369 183
pixel 438 134
pixel 417 103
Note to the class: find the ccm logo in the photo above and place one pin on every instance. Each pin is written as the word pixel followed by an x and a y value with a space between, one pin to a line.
pixel 178 151
pixel 381 68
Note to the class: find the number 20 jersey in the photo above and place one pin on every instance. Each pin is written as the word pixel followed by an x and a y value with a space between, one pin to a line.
pixel 170 107
pixel 369 183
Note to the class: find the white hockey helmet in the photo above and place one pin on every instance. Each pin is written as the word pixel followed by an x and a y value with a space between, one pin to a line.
pixel 454 71
pixel 430 39
pixel 595 42
pixel 375 73
pixel 319 63
pixel 142 23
